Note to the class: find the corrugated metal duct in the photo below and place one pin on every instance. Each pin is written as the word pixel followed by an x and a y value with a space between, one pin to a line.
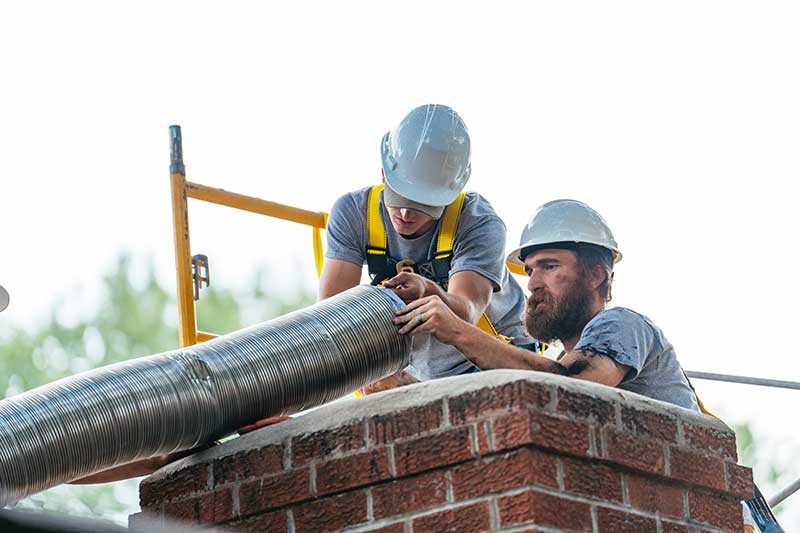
pixel 177 400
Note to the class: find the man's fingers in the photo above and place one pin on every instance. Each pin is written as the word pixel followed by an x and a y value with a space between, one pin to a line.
pixel 417 320
pixel 411 306
pixel 423 326
pixel 411 323
pixel 397 280
pixel 405 294
pixel 411 320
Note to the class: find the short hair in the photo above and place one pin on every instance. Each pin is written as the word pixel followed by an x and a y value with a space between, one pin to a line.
pixel 591 256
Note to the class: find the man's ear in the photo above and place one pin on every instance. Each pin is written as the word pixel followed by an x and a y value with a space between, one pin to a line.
pixel 597 276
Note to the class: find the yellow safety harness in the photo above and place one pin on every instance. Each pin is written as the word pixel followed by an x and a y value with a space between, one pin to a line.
pixel 697 397
pixel 382 266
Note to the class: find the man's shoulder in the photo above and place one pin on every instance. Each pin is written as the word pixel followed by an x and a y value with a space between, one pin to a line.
pixel 476 204
pixel 477 209
pixel 624 315
pixel 359 195
pixel 352 202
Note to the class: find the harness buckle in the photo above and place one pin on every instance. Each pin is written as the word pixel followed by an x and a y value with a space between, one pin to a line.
pixel 406 265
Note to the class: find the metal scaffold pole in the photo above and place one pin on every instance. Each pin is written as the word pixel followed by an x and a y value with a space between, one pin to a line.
pixel 745 379
pixel 785 493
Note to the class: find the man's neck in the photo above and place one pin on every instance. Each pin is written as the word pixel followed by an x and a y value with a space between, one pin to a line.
pixel 570 342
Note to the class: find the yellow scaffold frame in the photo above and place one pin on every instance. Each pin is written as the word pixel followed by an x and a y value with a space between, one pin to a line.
pixel 182 190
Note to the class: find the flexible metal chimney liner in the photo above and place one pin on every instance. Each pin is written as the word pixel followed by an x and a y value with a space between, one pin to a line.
pixel 176 400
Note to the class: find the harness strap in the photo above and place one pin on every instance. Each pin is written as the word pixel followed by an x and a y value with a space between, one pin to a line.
pixel 697 397
pixel 376 233
pixel 447 231
pixel 378 246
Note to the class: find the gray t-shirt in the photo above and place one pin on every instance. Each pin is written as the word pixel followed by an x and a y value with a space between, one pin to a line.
pixel 633 340
pixel 478 246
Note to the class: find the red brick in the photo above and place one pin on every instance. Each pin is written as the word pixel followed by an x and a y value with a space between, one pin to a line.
pixel 432 451
pixel 274 491
pixel 545 510
pixel 622 522
pixel 485 402
pixel 697 469
pixel 544 430
pixel 592 479
pixel 512 431
pixel 482 431
pixel 706 439
pixel 409 495
pixel 385 429
pixel 210 508
pixel 277 522
pixel 502 472
pixel 740 480
pixel 253 463
pixel 673 527
pixel 321 444
pixel 398 527
pixel 633 452
pixel 331 514
pixel 650 424
pixel 353 471
pixel 581 406
pixel 715 511
pixel 472 518
pixel 656 497
pixel 153 491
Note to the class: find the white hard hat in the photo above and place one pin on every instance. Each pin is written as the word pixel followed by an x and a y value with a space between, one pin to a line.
pixel 426 157
pixel 565 221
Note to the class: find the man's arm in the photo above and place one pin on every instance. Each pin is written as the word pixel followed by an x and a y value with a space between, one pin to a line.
pixel 338 276
pixel 467 294
pixel 592 366
pixel 431 315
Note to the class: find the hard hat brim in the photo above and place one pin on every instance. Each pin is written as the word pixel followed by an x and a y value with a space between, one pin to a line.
pixel 514 256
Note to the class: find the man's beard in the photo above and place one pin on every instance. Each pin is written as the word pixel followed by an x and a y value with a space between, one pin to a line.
pixel 560 319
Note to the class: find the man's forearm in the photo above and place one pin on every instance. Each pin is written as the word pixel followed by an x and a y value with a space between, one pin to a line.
pixel 460 305
pixel 487 353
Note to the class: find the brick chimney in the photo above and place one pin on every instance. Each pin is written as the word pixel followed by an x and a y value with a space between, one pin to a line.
pixel 495 451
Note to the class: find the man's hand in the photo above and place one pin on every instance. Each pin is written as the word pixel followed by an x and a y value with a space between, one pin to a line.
pixel 408 286
pixel 262 423
pixel 430 315
pixel 399 379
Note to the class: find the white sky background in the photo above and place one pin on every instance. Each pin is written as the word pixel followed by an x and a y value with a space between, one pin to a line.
pixel 677 121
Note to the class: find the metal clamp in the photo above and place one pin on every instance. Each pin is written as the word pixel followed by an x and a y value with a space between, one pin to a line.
pixel 200 274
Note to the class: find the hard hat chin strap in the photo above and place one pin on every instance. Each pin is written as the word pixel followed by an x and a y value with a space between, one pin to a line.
pixel 607 283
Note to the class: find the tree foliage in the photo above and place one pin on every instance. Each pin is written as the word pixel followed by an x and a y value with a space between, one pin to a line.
pixel 131 320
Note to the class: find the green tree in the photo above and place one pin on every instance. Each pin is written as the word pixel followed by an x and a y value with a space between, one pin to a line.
pixel 132 320
pixel 761 457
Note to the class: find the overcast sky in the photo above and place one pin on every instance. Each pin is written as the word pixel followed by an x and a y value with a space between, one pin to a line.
pixel 677 121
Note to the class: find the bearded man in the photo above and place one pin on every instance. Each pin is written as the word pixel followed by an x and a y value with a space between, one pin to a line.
pixel 568 252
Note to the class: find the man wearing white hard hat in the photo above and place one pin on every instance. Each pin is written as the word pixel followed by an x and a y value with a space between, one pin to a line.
pixel 420 235
pixel 568 252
